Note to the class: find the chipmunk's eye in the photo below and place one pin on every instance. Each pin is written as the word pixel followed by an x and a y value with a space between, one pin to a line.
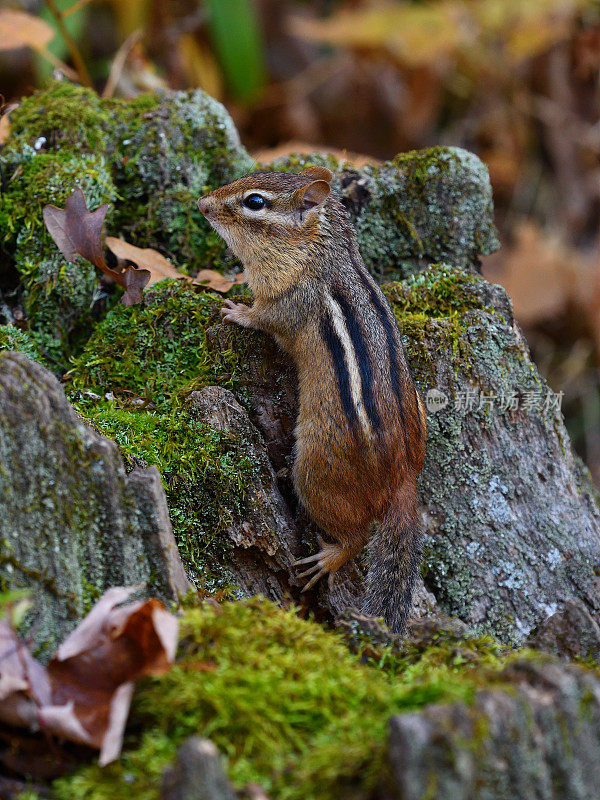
pixel 254 202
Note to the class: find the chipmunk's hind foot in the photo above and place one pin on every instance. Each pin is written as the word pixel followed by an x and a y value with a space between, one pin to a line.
pixel 328 560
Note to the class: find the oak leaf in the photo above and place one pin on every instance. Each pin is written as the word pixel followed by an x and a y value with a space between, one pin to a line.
pixel 78 231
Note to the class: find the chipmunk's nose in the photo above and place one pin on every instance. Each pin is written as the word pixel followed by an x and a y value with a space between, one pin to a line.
pixel 204 205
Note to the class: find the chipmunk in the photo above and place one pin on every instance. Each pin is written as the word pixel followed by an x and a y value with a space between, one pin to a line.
pixel 360 435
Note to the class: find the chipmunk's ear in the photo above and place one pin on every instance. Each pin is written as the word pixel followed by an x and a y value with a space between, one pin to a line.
pixel 318 173
pixel 311 195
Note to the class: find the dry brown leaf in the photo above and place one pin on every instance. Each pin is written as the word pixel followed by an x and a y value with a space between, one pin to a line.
pixel 5 122
pixel 85 693
pixel 542 274
pixel 211 279
pixel 94 670
pixel 158 266
pixel 77 231
pixel 18 29
pixel 24 684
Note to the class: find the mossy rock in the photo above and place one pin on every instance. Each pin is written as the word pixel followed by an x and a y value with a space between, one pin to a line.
pixel 538 738
pixel 149 158
pixel 513 520
pixel 149 359
pixel 286 703
pixel 167 157
pixel 72 523
pixel 421 207
pixel 495 557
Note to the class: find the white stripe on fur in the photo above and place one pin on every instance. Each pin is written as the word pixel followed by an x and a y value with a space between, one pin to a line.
pixel 341 330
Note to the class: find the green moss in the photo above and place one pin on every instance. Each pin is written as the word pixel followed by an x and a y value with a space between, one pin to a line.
pixel 156 351
pixel 436 305
pixel 420 166
pixel 439 292
pixel 148 358
pixel 56 143
pixel 12 338
pixel 150 159
pixel 57 295
pixel 206 474
pixel 66 115
pixel 42 178
pixel 284 700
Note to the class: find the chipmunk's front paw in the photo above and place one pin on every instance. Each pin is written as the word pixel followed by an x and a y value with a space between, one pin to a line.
pixel 237 313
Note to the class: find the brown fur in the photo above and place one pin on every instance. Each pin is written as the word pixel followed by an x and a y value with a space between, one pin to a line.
pixel 360 437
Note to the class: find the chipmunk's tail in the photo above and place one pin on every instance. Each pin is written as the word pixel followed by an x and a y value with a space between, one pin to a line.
pixel 395 558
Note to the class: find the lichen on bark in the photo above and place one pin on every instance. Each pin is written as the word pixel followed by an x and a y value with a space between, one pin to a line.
pixel 513 524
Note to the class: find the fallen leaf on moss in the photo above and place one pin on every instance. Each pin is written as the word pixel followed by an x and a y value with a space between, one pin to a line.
pixel 160 267
pixel 211 279
pixel 85 693
pixel 78 231
pixel 145 257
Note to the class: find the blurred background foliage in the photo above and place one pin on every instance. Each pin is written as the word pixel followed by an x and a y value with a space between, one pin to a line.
pixel 516 81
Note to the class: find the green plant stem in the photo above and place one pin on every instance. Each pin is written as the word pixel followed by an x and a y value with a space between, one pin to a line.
pixel 71 44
